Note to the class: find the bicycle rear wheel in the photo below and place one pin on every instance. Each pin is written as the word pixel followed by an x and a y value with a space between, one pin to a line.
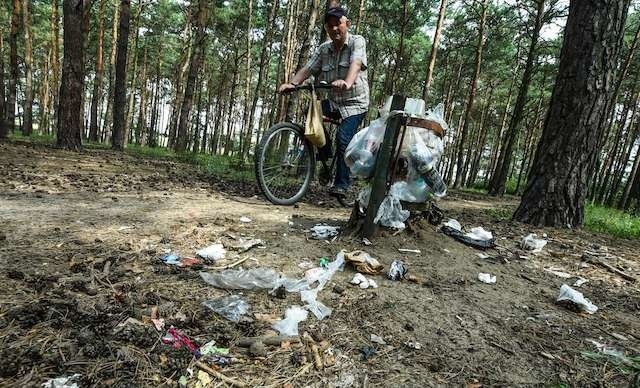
pixel 284 164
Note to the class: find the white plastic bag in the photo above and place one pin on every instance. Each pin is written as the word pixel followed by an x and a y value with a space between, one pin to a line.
pixel 533 243
pixel 292 317
pixel 213 252
pixel 576 297
pixel 390 213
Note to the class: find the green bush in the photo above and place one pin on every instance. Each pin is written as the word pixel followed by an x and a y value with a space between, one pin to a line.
pixel 611 221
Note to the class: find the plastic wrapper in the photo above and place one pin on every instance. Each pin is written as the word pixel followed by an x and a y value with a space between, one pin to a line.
pixel 533 243
pixel 577 299
pixel 241 279
pixel 232 307
pixel 397 270
pixel 292 317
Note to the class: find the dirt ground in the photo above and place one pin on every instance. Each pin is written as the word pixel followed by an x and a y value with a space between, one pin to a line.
pixel 81 236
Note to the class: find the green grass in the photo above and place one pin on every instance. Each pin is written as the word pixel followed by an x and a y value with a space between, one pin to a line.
pixel 611 221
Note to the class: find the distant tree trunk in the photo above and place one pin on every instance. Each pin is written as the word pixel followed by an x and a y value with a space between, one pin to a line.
pixel 607 172
pixel 218 122
pixel 434 49
pixel 112 65
pixel 196 59
pixel 120 85
pixel 134 73
pixel 623 161
pixel 13 65
pixel 97 83
pixel 153 133
pixel 228 145
pixel 207 115
pixel 3 110
pixel 497 186
pixel 196 119
pixel 556 190
pixel 264 60
pixel 482 137
pixel 634 176
pixel 497 142
pixel 391 87
pixel 247 131
pixel 472 95
pixel 70 124
pixel 361 14
pixel 27 116
pixel 140 127
pixel 55 59
pixel 288 43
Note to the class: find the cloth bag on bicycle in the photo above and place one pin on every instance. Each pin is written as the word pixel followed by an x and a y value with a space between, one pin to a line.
pixel 313 128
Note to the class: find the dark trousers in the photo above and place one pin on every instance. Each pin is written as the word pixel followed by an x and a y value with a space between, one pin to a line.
pixel 347 128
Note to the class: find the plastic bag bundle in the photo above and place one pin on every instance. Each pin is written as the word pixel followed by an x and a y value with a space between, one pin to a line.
pixel 360 155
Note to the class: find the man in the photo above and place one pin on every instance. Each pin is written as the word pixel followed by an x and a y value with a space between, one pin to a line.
pixel 342 62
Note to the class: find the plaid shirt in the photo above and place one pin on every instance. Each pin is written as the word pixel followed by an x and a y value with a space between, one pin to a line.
pixel 327 65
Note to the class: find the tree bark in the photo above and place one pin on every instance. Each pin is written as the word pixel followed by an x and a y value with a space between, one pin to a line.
pixel 70 125
pixel 497 186
pixel 27 116
pixel 264 61
pixel 434 49
pixel 3 110
pixel 13 66
pixel 248 131
pixel 152 141
pixel 196 59
pixel 97 83
pixel 55 59
pixel 120 85
pixel 112 64
pixel 557 188
pixel 472 95
pixel 134 74
pixel 140 127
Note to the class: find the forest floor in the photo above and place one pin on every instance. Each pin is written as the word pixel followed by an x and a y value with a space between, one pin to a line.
pixel 81 236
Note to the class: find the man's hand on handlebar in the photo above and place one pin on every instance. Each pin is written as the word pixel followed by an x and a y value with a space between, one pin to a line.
pixel 341 84
pixel 286 87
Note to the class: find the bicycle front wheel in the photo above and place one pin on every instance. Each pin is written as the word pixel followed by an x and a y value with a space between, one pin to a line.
pixel 284 164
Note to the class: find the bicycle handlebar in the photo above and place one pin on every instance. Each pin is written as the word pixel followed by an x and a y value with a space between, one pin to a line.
pixel 308 87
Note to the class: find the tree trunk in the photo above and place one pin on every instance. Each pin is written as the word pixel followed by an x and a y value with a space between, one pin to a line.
pixel 97 83
pixel 27 116
pixel 120 86
pixel 140 127
pixel 264 61
pixel 3 110
pixel 556 190
pixel 434 49
pixel 247 131
pixel 634 175
pixel 55 59
pixel 196 120
pixel 112 64
pixel 69 132
pixel 623 160
pixel 13 66
pixel 475 166
pixel 134 73
pixel 497 186
pixel 196 59
pixel 207 115
pixel 153 133
pixel 472 95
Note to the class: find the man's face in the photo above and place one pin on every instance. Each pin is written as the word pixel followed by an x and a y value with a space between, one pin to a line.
pixel 337 28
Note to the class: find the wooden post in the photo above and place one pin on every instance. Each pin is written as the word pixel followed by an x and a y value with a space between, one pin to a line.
pixel 381 171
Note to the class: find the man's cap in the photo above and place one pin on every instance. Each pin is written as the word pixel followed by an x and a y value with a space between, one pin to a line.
pixel 337 12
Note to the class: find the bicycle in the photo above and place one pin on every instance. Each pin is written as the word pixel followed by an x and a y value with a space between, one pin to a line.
pixel 285 161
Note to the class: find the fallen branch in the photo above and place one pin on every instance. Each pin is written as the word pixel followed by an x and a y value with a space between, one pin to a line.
pixel 612 269
pixel 220 376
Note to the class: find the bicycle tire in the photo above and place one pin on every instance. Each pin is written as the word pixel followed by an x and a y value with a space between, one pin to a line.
pixel 308 156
